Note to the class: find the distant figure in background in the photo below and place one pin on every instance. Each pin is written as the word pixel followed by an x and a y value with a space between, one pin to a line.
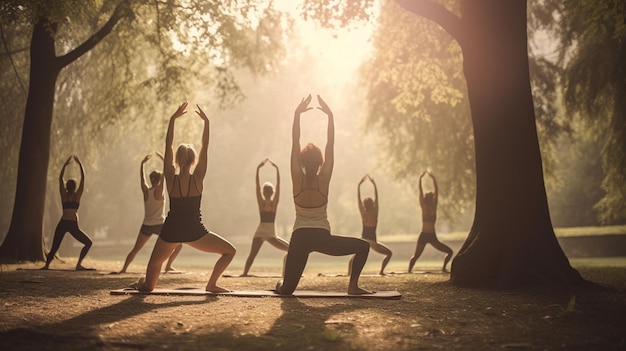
pixel 70 200
pixel 184 220
pixel 266 231
pixel 310 175
pixel 369 214
pixel 428 204
pixel 154 209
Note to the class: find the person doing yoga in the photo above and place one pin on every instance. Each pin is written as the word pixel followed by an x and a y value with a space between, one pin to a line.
pixel 154 214
pixel 184 220
pixel 428 204
pixel 267 199
pixel 70 200
pixel 310 175
pixel 368 208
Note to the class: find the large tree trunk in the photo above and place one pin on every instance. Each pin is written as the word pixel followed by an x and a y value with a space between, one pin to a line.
pixel 512 242
pixel 24 240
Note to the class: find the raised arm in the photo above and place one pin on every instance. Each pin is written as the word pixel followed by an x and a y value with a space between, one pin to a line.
pixel 142 177
pixel 436 195
pixel 329 155
pixel 375 192
pixel 158 188
pixel 259 193
pixel 169 168
pixel 62 188
pixel 200 169
pixel 277 189
pixel 421 191
pixel 296 165
pixel 81 185
pixel 358 192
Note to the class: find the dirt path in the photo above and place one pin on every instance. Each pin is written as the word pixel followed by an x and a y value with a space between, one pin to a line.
pixel 69 310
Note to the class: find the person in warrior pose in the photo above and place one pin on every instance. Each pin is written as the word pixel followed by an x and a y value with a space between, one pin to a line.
pixel 369 214
pixel 154 209
pixel 184 221
pixel 267 199
pixel 70 200
pixel 310 175
pixel 428 204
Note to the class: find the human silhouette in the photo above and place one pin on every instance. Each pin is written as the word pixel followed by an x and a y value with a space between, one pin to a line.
pixel 368 208
pixel 154 213
pixel 70 200
pixel 428 204
pixel 310 174
pixel 183 223
pixel 267 199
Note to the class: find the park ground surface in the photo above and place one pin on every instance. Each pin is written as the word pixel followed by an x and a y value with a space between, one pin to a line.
pixel 63 309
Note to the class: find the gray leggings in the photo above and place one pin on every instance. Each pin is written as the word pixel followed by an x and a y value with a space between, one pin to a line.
pixel 307 240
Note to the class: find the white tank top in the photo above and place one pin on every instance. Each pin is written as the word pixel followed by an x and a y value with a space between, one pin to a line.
pixel 311 217
pixel 155 210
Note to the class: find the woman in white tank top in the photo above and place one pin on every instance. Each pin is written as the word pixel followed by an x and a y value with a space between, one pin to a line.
pixel 154 215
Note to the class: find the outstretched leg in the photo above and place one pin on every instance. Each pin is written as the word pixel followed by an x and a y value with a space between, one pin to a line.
pixel 443 248
pixel 419 248
pixel 142 239
pixel 212 242
pixel 85 240
pixel 280 244
pixel 161 251
pixel 340 246
pixel 381 249
pixel 59 233
pixel 254 250
pixel 297 256
pixel 168 265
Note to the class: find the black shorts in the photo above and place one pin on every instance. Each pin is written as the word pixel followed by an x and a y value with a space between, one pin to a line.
pixel 151 229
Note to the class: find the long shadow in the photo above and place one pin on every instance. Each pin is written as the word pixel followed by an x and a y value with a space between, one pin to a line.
pixel 306 325
pixel 64 335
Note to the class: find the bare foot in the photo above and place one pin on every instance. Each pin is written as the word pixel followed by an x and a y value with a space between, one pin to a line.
pixel 138 284
pixel 44 268
pixel 81 268
pixel 358 291
pixel 244 275
pixel 170 269
pixel 382 273
pixel 278 286
pixel 216 289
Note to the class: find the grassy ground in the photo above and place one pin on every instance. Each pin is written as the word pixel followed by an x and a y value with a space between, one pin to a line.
pixel 69 310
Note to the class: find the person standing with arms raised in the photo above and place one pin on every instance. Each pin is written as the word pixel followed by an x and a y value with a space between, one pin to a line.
pixel 184 221
pixel 310 174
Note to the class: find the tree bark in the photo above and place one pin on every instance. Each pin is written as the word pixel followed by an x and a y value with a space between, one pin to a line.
pixel 512 241
pixel 24 240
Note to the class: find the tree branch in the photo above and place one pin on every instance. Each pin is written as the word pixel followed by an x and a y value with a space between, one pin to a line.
pixel 6 47
pixel 436 13
pixel 121 10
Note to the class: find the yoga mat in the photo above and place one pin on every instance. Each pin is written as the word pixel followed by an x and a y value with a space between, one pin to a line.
pixel 253 276
pixel 420 272
pixel 332 275
pixel 258 293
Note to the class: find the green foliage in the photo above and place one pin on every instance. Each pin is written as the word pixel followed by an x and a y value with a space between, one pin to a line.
pixel 161 53
pixel 418 105
pixel 593 53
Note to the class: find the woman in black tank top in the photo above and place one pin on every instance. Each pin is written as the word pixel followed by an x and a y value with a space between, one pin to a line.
pixel 184 220
pixel 267 199
pixel 70 201
pixel 428 204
